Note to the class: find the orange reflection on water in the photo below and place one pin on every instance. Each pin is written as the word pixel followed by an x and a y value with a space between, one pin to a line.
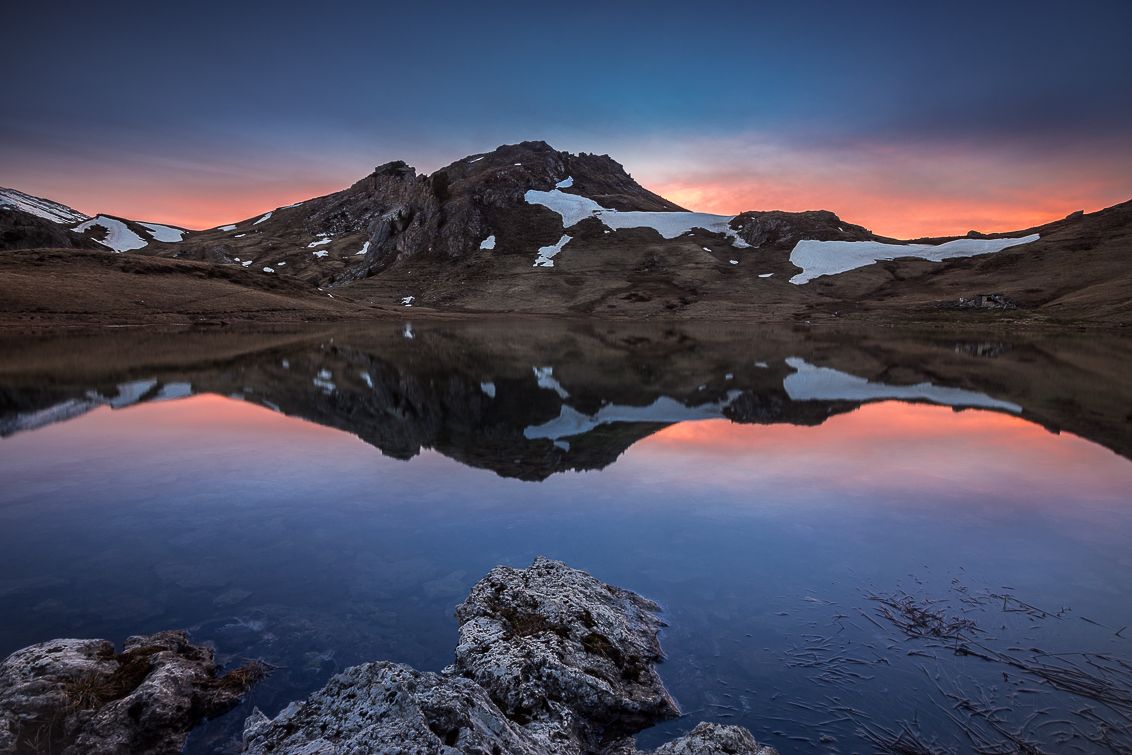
pixel 897 446
pixel 211 411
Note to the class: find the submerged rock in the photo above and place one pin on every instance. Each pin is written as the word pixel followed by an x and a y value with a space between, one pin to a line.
pixel 550 660
pixel 81 696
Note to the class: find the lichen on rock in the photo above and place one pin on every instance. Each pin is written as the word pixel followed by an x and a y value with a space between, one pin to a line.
pixel 82 696
pixel 554 646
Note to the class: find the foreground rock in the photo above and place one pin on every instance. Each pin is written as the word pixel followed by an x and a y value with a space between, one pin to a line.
pixel 559 650
pixel 82 696
pixel 376 707
pixel 550 660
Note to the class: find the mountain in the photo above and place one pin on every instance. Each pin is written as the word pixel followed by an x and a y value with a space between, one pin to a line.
pixel 30 222
pixel 41 208
pixel 527 228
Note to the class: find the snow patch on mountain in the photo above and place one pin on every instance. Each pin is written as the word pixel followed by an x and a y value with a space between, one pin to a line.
pixel 319 242
pixel 488 243
pixel 229 227
pixel 266 216
pixel 544 376
pixel 812 383
pixel 363 250
pixel 164 232
pixel 818 258
pixel 118 236
pixel 43 208
pixel 575 208
pixel 546 254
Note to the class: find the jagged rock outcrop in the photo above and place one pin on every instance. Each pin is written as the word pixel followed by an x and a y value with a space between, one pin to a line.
pixel 556 648
pixel 22 230
pixel 715 739
pixel 775 228
pixel 449 213
pixel 81 696
pixel 397 210
pixel 376 706
pixel 550 661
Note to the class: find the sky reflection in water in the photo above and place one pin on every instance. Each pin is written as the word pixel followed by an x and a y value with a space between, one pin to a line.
pixel 272 537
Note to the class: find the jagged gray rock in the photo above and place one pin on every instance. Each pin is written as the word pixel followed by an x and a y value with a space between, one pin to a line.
pixel 387 707
pixel 554 646
pixel 81 696
pixel 550 661
pixel 22 230
pixel 785 229
pixel 715 739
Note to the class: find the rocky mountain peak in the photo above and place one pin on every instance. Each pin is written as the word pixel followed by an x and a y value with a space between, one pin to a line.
pixel 777 228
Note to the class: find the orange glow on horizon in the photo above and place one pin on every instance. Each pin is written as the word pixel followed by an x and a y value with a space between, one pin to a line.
pixel 900 191
pixel 896 213
pixel 198 211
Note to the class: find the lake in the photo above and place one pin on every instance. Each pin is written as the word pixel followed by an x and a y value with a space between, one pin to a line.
pixel 859 538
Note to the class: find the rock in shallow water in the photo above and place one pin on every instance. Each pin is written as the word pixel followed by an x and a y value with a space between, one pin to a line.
pixel 550 660
pixel 387 707
pixel 715 739
pixel 81 696
pixel 555 647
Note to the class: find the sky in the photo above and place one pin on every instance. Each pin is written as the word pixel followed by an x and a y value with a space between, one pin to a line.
pixel 908 118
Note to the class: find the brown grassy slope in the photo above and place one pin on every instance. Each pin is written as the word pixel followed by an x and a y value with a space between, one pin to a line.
pixel 78 287
pixel 1078 272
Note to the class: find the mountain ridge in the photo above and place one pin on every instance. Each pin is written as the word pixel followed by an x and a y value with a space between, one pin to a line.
pixel 527 228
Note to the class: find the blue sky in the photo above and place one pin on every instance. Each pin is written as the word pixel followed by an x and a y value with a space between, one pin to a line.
pixel 192 111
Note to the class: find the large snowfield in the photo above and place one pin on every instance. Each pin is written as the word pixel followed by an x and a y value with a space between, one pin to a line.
pixel 575 208
pixel 118 236
pixel 818 258
pixel 164 232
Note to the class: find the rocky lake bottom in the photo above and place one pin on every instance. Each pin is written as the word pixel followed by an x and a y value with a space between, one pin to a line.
pixel 859 541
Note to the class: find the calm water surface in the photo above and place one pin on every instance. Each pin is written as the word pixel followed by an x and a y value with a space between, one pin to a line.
pixel 326 500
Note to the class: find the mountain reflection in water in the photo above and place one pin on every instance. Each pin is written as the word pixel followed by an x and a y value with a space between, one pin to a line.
pixel 762 485
pixel 531 402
